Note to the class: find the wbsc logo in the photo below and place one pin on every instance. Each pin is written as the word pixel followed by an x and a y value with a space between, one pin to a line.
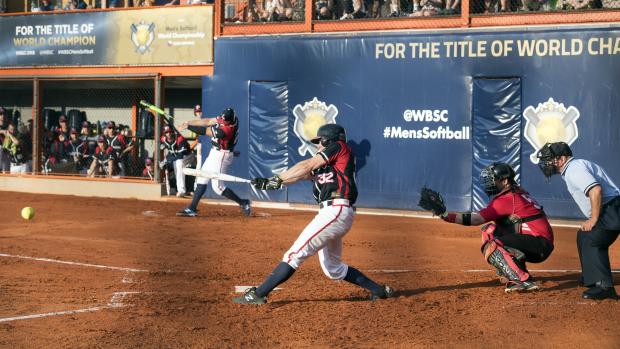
pixel 550 122
pixel 308 119
pixel 142 36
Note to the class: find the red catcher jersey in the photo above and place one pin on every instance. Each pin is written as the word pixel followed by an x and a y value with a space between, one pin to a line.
pixel 520 203
pixel 224 135
pixel 335 179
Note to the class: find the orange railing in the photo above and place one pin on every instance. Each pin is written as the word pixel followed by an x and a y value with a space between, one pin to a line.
pixel 470 13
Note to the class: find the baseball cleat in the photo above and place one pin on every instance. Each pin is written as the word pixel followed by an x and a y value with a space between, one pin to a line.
pixel 180 195
pixel 386 292
pixel 250 297
pixel 246 208
pixel 521 286
pixel 187 212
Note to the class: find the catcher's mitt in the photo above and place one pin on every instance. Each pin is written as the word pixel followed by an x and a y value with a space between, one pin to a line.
pixel 432 201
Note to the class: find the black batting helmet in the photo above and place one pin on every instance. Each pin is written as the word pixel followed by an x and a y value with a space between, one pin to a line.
pixel 495 171
pixel 228 115
pixel 329 133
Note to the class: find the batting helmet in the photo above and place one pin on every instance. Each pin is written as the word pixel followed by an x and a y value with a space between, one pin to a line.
pixel 228 115
pixel 548 154
pixel 494 172
pixel 329 133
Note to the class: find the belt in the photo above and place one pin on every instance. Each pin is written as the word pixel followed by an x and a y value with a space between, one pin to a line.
pixel 335 202
pixel 222 150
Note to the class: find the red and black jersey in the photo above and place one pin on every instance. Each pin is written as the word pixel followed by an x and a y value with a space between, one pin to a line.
pixel 518 202
pixel 335 179
pixel 178 147
pixel 60 150
pixel 77 147
pixel 104 154
pixel 117 143
pixel 225 134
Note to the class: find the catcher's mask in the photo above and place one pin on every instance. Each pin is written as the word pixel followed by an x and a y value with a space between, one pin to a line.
pixel 228 115
pixel 328 134
pixel 494 172
pixel 548 156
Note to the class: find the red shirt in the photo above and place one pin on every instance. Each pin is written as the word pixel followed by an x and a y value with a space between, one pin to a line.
pixel 523 205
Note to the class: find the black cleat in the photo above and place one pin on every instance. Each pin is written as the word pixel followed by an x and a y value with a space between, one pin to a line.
pixel 246 208
pixel 250 297
pixel 600 293
pixel 386 292
pixel 521 286
pixel 187 212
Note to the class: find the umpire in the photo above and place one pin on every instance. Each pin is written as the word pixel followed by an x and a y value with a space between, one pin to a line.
pixel 599 199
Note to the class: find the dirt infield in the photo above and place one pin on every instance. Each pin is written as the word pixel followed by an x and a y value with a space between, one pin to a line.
pixel 100 273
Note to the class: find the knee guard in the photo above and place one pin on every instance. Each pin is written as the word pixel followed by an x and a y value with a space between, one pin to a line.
pixel 509 265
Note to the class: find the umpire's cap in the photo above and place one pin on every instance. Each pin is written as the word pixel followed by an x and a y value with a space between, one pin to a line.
pixel 551 151
pixel 329 133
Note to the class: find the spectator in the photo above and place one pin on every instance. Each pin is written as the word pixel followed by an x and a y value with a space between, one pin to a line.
pixel 454 6
pixel 13 147
pixel 26 143
pixel 429 8
pixel 353 9
pixel 177 157
pixel 148 169
pixel 323 10
pixel 46 6
pixel 103 159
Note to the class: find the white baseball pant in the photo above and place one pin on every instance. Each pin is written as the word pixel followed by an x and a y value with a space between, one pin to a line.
pixel 324 235
pixel 179 164
pixel 218 161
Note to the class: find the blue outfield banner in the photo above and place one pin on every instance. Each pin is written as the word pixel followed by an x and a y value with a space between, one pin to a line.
pixel 412 113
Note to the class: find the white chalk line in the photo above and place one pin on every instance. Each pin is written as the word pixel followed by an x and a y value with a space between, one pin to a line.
pixel 99 266
pixel 395 271
pixel 115 302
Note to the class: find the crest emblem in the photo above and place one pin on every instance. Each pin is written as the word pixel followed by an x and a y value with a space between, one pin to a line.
pixel 142 36
pixel 550 122
pixel 308 119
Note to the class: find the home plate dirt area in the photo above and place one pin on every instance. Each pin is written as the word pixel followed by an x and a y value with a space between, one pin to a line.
pixel 102 273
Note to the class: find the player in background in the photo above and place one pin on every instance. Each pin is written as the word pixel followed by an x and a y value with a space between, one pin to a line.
pixel 103 159
pixel 598 199
pixel 332 170
pixel 223 131
pixel 520 232
pixel 177 155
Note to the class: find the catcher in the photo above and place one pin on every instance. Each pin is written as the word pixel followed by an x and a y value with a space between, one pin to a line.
pixel 519 231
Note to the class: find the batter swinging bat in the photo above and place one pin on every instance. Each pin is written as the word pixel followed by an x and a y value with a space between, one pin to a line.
pixel 157 110
pixel 214 175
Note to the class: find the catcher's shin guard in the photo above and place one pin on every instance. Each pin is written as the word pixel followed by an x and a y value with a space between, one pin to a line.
pixel 510 265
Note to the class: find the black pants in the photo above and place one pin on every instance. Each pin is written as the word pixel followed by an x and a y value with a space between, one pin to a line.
pixel 593 246
pixel 535 248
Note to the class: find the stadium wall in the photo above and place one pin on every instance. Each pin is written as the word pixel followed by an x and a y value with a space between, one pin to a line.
pixel 425 108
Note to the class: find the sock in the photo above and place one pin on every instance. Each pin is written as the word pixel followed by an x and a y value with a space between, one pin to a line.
pixel 198 193
pixel 356 277
pixel 279 275
pixel 229 194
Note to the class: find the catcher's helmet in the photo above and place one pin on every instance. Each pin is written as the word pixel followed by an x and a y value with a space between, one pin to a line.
pixel 228 115
pixel 548 154
pixel 329 133
pixel 495 171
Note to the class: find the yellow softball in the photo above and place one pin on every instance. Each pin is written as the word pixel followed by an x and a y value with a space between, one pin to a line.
pixel 27 213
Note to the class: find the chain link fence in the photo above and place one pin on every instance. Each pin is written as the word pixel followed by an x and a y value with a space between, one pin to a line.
pixel 16 126
pixel 95 128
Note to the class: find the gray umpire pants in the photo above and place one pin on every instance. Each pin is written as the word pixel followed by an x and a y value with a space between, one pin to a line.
pixel 593 246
